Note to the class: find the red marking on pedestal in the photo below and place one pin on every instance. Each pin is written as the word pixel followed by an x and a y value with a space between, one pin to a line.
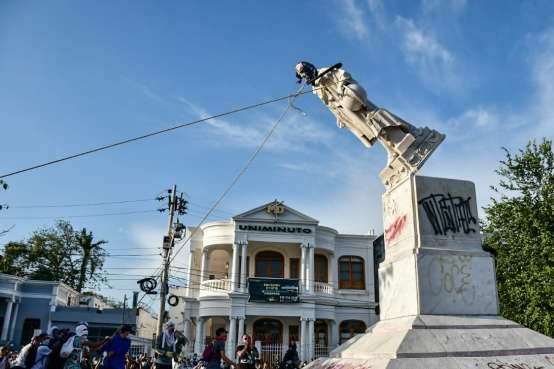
pixel 394 230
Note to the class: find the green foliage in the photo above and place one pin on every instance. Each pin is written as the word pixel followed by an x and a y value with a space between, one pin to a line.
pixel 520 229
pixel 57 254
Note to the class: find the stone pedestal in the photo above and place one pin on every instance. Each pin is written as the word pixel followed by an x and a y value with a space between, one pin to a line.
pixel 438 296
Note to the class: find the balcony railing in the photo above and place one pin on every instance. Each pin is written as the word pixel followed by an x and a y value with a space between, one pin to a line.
pixel 221 287
pixel 323 288
pixel 215 287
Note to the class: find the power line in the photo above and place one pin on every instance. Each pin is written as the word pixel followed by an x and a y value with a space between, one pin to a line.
pixel 83 215
pixel 79 204
pixel 151 134
pixel 245 167
pixel 290 98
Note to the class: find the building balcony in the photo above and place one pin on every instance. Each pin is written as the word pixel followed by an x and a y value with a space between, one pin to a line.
pixel 322 288
pixel 215 287
pixel 222 287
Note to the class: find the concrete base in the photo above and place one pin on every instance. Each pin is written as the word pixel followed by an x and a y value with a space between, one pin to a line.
pixel 443 342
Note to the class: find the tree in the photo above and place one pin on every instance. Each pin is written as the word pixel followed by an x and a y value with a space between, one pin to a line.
pixel 57 254
pixel 520 229
pixel 92 258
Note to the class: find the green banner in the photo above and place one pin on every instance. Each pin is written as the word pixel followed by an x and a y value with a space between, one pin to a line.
pixel 276 290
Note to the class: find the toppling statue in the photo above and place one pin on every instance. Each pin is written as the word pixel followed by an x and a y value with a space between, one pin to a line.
pixel 408 147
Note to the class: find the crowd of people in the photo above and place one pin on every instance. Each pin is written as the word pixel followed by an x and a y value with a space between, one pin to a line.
pixel 62 349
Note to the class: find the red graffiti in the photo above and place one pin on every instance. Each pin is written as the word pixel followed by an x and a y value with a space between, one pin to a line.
pixel 392 231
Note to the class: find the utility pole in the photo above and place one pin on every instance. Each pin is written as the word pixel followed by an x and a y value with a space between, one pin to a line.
pixel 167 246
pixel 124 309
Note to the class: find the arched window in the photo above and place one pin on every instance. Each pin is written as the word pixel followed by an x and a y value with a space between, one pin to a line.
pixel 320 268
pixel 270 264
pixel 269 331
pixel 351 272
pixel 350 328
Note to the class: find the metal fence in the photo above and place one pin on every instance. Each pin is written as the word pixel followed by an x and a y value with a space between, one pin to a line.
pixel 321 351
pixel 272 353
pixel 140 345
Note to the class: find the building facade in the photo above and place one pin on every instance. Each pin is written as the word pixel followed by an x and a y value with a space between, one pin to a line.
pixel 31 306
pixel 277 275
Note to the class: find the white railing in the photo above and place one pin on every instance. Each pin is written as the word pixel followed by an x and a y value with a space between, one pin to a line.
pixel 140 345
pixel 323 288
pixel 272 354
pixel 213 287
pixel 322 351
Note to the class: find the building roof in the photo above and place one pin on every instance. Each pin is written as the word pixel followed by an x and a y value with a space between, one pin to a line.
pixel 94 316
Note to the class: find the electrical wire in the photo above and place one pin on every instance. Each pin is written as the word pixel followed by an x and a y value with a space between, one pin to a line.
pixel 82 215
pixel 198 287
pixel 151 134
pixel 79 204
pixel 290 98
pixel 243 170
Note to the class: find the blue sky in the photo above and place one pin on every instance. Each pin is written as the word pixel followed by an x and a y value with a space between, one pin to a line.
pixel 75 75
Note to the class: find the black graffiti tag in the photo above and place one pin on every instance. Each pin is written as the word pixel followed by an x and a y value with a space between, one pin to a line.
pixel 448 213
pixel 502 365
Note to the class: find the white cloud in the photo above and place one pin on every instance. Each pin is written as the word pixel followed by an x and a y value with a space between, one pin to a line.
pixel 293 134
pixel 352 22
pixel 377 12
pixel 434 62
pixel 543 78
pixel 355 205
pixel 429 6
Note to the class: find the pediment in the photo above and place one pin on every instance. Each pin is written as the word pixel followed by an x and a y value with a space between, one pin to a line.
pixel 275 211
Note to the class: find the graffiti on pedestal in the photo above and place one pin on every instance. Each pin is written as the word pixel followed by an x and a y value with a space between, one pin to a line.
pixel 498 364
pixel 451 275
pixel 448 213
pixel 396 227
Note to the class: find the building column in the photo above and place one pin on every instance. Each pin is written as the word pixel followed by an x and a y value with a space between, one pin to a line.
pixel 311 338
pixel 235 267
pixel 334 273
pixel 189 274
pixel 14 320
pixel 240 330
pixel 310 268
pixel 303 340
pixel 199 345
pixel 7 317
pixel 187 332
pixel 286 337
pixel 203 265
pixel 333 334
pixel 303 267
pixel 232 339
pixel 243 267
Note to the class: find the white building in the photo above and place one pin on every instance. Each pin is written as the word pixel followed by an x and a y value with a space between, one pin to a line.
pixel 334 274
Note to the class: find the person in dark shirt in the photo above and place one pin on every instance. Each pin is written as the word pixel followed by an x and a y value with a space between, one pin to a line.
pixel 247 354
pixel 117 348
pixel 219 350
pixel 290 360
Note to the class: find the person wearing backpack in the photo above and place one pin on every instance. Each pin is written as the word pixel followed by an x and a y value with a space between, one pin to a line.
pixel 27 356
pixel 217 351
pixel 43 354
pixel 72 349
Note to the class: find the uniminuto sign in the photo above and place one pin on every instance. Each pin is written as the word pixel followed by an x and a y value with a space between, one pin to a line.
pixel 276 229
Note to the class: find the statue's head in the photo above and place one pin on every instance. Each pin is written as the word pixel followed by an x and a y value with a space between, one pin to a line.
pixel 305 71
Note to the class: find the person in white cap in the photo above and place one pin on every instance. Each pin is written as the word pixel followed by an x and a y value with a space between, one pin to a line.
pixel 166 347
pixel 72 349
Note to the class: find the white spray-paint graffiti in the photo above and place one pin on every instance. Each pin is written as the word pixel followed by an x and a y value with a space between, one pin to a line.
pixel 454 278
